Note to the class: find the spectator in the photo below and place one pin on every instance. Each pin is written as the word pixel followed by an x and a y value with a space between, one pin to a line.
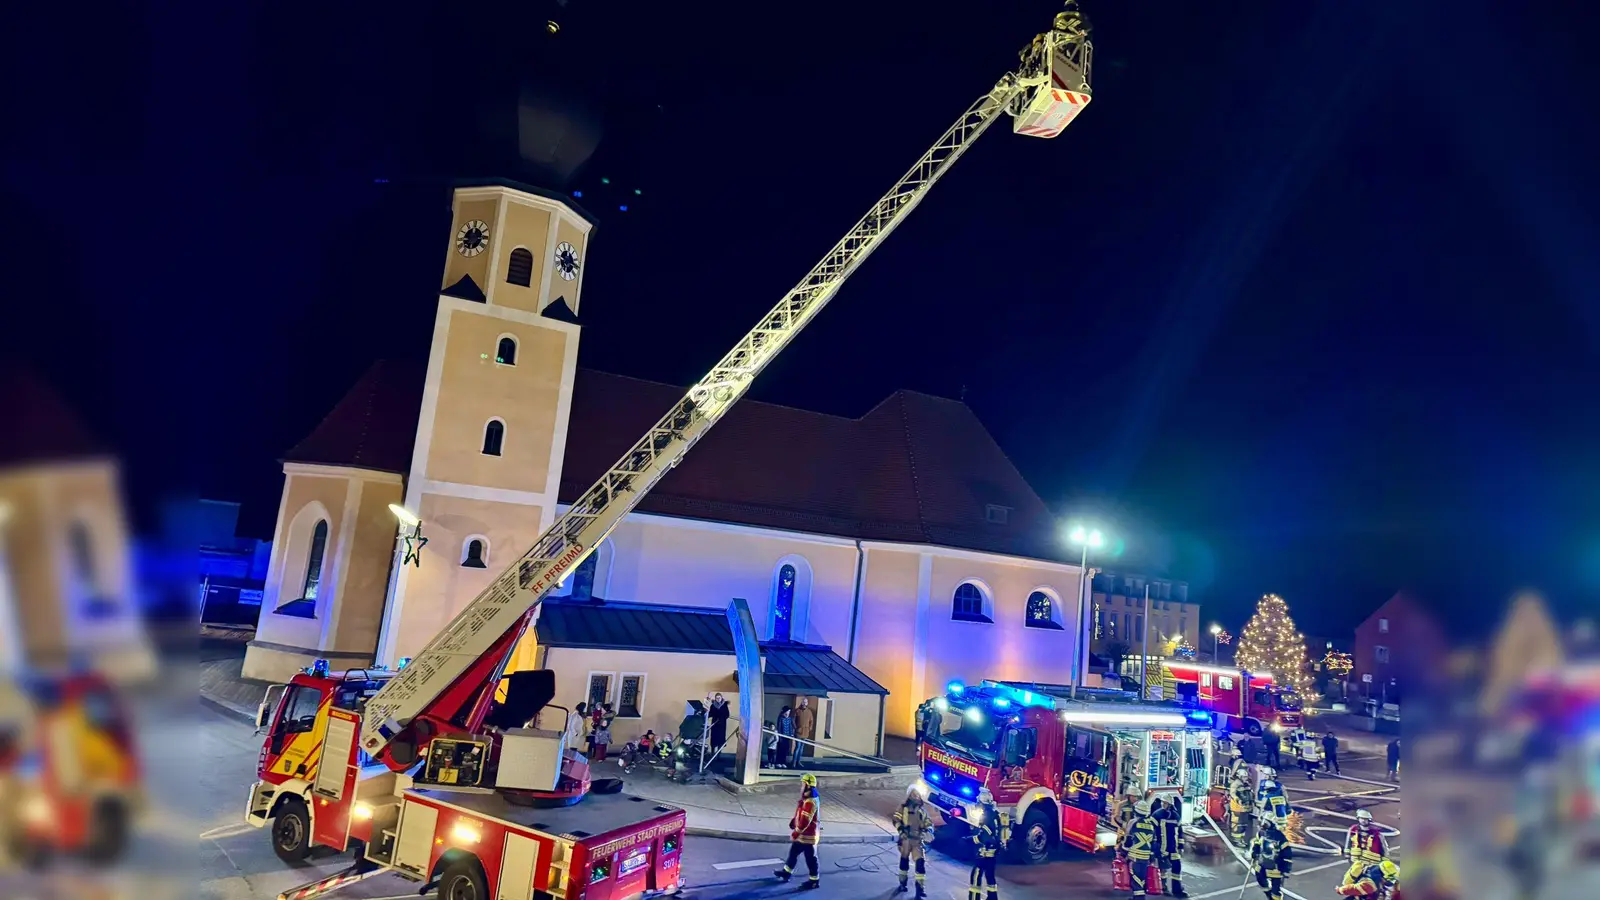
pixel 805 725
pixel 602 737
pixel 1394 760
pixel 786 742
pixel 1273 744
pixel 770 742
pixel 719 724
pixel 1330 752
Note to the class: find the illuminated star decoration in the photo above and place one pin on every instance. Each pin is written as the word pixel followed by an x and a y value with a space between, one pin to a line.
pixel 1223 637
pixel 414 544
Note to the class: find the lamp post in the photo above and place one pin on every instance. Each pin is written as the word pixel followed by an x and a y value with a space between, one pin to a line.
pixel 410 531
pixel 1216 635
pixel 1085 538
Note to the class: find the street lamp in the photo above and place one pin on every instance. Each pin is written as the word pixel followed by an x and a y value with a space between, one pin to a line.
pixel 1085 538
pixel 1216 636
pixel 409 534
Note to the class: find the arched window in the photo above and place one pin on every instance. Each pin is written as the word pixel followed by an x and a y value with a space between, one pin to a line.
pixel 473 555
pixel 505 352
pixel 319 545
pixel 783 604
pixel 591 578
pixel 520 268
pixel 82 554
pixel 970 604
pixel 1043 611
pixel 494 437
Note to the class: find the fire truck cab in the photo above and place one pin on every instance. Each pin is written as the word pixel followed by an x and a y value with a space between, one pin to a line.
pixel 1061 767
pixel 75 776
pixel 1243 701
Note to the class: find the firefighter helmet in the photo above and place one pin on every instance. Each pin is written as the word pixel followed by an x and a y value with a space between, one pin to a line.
pixel 1364 817
pixel 1391 872
pixel 1142 806
pixel 916 792
pixel 984 797
pixel 808 780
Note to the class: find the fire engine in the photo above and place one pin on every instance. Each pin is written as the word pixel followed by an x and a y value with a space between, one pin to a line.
pixel 1059 766
pixel 1243 701
pixel 398 762
pixel 76 775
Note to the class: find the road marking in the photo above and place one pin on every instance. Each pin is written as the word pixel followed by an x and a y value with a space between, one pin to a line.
pixel 227 831
pixel 746 864
pixel 1252 881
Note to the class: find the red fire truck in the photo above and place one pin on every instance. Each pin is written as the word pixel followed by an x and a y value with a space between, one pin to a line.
pixel 76 775
pixel 474 823
pixel 1058 766
pixel 1243 701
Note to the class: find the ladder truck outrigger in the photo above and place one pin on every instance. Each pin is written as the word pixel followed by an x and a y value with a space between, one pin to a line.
pixel 429 774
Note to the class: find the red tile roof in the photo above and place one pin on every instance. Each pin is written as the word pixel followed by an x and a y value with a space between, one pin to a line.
pixel 915 468
pixel 36 424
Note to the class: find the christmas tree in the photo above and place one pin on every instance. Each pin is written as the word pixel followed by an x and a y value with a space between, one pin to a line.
pixel 1271 643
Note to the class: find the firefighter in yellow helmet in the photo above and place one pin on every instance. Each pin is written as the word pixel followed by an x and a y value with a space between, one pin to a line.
pixel 1272 858
pixel 805 829
pixel 1142 841
pixel 914 827
pixel 1363 846
pixel 1378 881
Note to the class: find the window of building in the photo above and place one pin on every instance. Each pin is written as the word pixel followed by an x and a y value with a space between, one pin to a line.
pixel 1127 625
pixel 630 699
pixel 1381 653
pixel 1111 627
pixel 475 554
pixel 1183 626
pixel 519 270
pixel 494 437
pixel 783 603
pixel 1138 625
pixel 82 554
pixel 599 688
pixel 970 604
pixel 1383 626
pixel 1043 611
pixel 505 352
pixel 305 606
pixel 996 514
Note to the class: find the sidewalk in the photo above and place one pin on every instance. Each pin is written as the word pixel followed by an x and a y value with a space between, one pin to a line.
pixel 848 816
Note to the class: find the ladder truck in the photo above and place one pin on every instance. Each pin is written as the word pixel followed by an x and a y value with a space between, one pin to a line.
pixel 434 728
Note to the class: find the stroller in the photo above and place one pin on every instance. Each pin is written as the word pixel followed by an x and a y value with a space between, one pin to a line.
pixel 684 762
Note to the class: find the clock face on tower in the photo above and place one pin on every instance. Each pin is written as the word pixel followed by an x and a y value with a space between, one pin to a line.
pixel 566 261
pixel 473 238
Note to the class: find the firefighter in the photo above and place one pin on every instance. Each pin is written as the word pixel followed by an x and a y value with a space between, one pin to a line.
pixel 915 828
pixel 804 830
pixel 1379 881
pixel 1170 815
pixel 1363 846
pixel 1140 843
pixel 1240 803
pixel 1270 801
pixel 1072 22
pixel 1272 858
pixel 991 830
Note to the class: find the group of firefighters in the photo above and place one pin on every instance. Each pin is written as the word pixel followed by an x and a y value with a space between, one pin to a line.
pixel 1149 849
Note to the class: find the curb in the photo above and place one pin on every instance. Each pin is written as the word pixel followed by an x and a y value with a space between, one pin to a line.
pixel 228 709
pixel 756 838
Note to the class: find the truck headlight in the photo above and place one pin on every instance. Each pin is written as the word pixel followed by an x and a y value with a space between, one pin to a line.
pixel 1277 727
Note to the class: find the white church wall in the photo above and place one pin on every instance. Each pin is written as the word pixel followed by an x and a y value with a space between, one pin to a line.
pixel 684 562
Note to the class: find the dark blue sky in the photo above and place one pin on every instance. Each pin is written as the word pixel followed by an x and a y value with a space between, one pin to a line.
pixel 1304 302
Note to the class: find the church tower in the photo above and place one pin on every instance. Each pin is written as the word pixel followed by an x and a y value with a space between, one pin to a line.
pixel 492 429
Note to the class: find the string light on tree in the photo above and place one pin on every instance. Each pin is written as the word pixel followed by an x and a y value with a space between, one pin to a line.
pixel 1271 643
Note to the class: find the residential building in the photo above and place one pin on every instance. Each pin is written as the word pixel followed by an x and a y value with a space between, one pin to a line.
pixel 1118 615
pixel 1399 645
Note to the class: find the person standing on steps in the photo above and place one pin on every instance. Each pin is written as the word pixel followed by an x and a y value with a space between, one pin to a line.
pixel 805 726
pixel 786 742
pixel 1330 752
pixel 805 829
pixel 914 828
pixel 718 711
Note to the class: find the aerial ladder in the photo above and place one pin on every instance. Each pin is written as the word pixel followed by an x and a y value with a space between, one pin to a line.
pixel 448 687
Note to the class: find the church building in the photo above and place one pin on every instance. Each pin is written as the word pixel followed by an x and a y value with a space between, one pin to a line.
pixel 881 556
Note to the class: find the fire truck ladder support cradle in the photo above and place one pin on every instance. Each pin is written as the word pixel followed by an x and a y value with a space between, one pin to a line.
pixel 573 536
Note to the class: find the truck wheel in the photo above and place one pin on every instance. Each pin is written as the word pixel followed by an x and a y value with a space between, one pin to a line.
pixel 1253 728
pixel 1035 838
pixel 463 880
pixel 291 831
pixel 108 832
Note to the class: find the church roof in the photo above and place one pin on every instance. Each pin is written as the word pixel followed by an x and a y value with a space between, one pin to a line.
pixel 914 469
pixel 39 425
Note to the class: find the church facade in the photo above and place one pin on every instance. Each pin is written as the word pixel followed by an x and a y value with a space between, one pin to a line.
pixel 881 556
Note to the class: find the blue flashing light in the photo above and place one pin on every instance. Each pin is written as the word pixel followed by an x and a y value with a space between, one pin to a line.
pixel 933 776
pixel 966 790
pixel 623 207
pixel 404 661
pixel 955 687
pixel 605 181
pixel 578 194
pixel 1001 702
pixel 319 669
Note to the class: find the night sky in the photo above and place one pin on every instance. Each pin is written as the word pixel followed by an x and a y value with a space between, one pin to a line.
pixel 1304 302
